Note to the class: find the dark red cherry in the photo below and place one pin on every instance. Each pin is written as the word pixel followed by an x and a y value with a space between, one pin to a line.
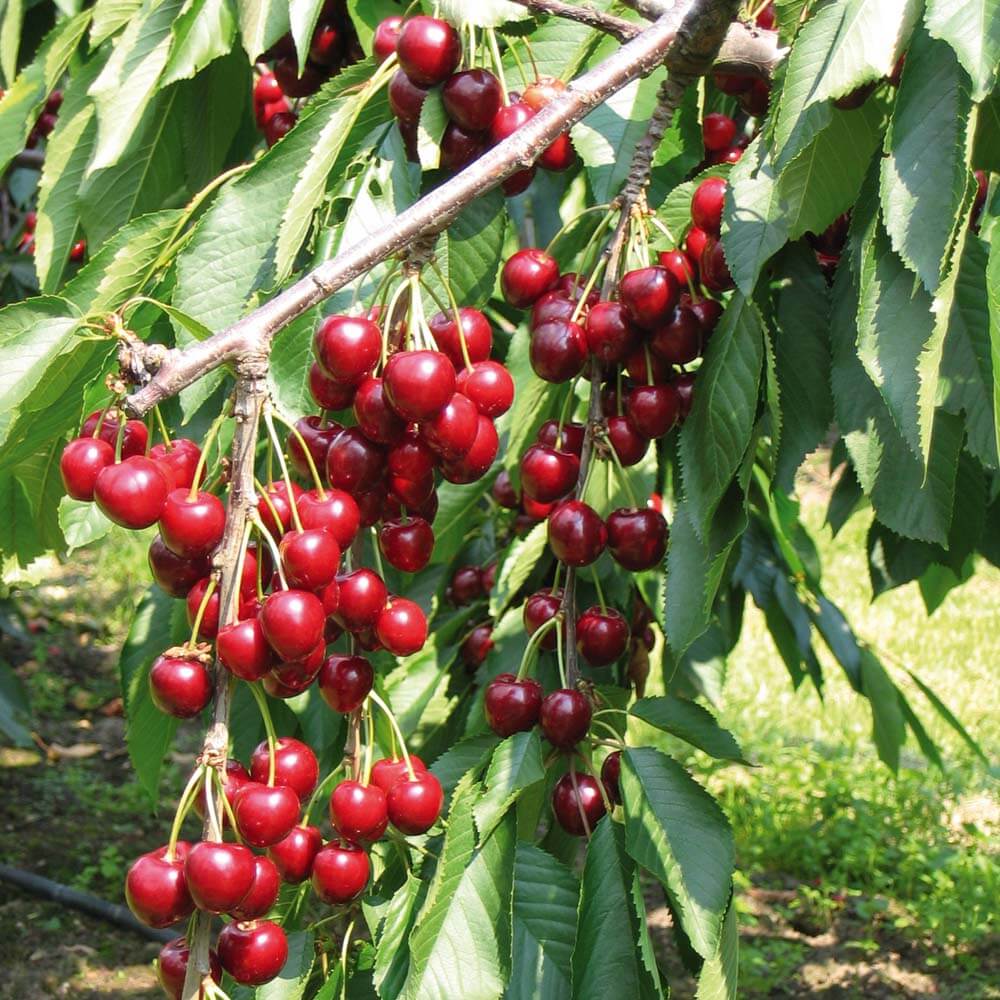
pixel 452 431
pixel 134 440
pixel 709 312
pixel 234 777
pixel 508 120
pixel 610 333
pixel 429 49
pixel 354 462
pixel 406 98
pixel 680 265
pixel 327 45
pixel 577 535
pixel 528 275
pixel 548 474
pixel 265 815
pixel 80 463
pixel 414 804
pixel 459 148
pixel 476 331
pixel 347 347
pixel 512 705
pixel 358 812
pixel 299 674
pixel 648 294
pixel 179 686
pixel 472 98
pixel 478 460
pixel 293 856
pixel 275 507
pixel 317 436
pixel 210 616
pixel 295 766
pixel 767 17
pixel 263 892
pixel 179 460
pixel 340 872
pixel 653 409
pixel 601 635
pixel 192 526
pixel 218 875
pixel 172 963
pixel 503 491
pixel 295 83
pixel 489 385
pixel 518 182
pixel 309 558
pixel 539 608
pixel 279 125
pixel 684 384
pixel 629 445
pixel 476 646
pixel 401 627
pixel 611 771
pixel 293 622
pixel 695 243
pixel 678 339
pixel 714 270
pixel 572 285
pixel 344 681
pixel 706 205
pixel 362 599
pixel 553 305
pixel 174 575
pixel 565 437
pixel 647 368
pixel 577 803
pixel 558 350
pixel 387 37
pixel 132 493
pixel 156 889
pixel 407 544
pixel 565 717
pixel 267 90
pixel 330 597
pixel 718 131
pixel 410 493
pixel 637 538
pixel 419 384
pixel 466 586
pixel 411 458
pixel 253 952
pixel 336 511
pixel 559 155
pixel 329 393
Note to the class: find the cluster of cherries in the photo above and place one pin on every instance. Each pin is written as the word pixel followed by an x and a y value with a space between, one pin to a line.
pixel 722 143
pixel 46 121
pixel 429 51
pixel 753 94
pixel 26 242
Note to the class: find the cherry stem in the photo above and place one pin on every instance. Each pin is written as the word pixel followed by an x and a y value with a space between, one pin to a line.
pixel 227 808
pixel 390 315
pixel 214 826
pixel 566 410
pixel 534 641
pixel 183 808
pixel 456 312
pixel 280 451
pixel 608 806
pixel 240 562
pixel 377 552
pixel 399 733
pixel 598 588
pixel 491 38
pixel 119 440
pixel 604 725
pixel 164 430
pixel 579 804
pixel 560 658
pixel 560 233
pixel 213 582
pixel 512 49
pixel 313 471
pixel 272 739
pixel 587 288
pixel 206 445
pixel 344 948
pixel 271 544
pixel 369 747
pixel 623 475
pixel 320 789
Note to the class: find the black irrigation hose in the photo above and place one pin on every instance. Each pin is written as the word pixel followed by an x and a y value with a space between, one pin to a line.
pixel 111 912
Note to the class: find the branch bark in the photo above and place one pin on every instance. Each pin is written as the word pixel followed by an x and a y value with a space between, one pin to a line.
pixel 618 27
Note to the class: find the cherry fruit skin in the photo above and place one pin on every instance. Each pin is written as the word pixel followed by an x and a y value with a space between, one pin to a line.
pixel 512 705
pixel 637 538
pixel 407 545
pixel 172 963
pixel 680 265
pixel 452 432
pixel 134 440
pixel 718 131
pixel 406 98
pixel 192 526
pixel 507 121
pixel 336 511
pixel 565 717
pixel 180 460
pixel 174 575
pixel 489 386
pixel 362 599
pixel 478 460
pixel 81 462
pixel 293 623
pixel 267 90
pixel 132 493
pixel 328 393
pixel 553 305
pixel 476 646
pixel 293 856
pixel 648 294
pixel 234 778
pixel 476 331
pixel 387 37
pixel 419 384
pixel 695 242
pixel 210 616
pixel 559 155
pixel 389 770
pixel 428 49
pixel 678 339
pixel 610 333
pixel 265 815
pixel 577 803
pixel 295 766
pixel 309 558
pixel 577 534
pixel 358 812
pixel 263 892
pixel 340 872
pixel 528 275
pixel 347 347
pixel 548 474
pixel 601 636
pixel 653 409
pixel 218 875
pixel 411 458
pixel 706 205
pixel 401 627
pixel 344 681
pixel 629 445
pixel 709 312
pixel 568 437
pixel 179 686
pixel 714 269
pixel 316 437
pixel 472 98
pixel 354 463
pixel 611 771
pixel 278 520
pixel 558 350
pixel 253 952
pixel 376 418
pixel 414 804
pixel 539 608
pixel 156 889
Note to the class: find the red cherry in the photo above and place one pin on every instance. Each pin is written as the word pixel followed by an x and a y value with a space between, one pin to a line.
pixel 407 544
pixel 732 154
pixel 648 294
pixel 81 461
pixel 267 90
pixel 409 493
pixel 175 576
pixel 362 599
pixel 326 46
pixel 577 535
pixel 518 182
pixel 472 98
pixel 235 776
pixel 539 608
pixel 156 889
pixel 329 393
pixel 132 493
pixel 218 875
pixel 279 125
pixel 543 91
pixel 172 963
pixel 387 37
pixel 295 766
pixel 527 275
pixel 601 636
pixel 678 339
pixel 558 350
pixel 275 508
pixel 293 622
pixel 732 83
pixel 414 804
pixel 466 586
pixel 476 646
pixel 695 243
pixel 264 114
pixel 386 772
pixel 340 872
pixel 180 461
pixel 253 952
pixel 560 155
pixel 459 147
pixel 489 385
pixel 374 415
pixel 577 803
pixel 295 84
pixel 610 333
pixel 336 511
pixel 354 462
pixel 192 527
pixel 637 538
pixel 344 681
pixel 134 439
pixel 684 384
pixel 401 627
pixel 552 307
pixel 293 856
pixel 512 705
pixel 419 384
pixel 452 432
pixel 347 347
pixel 179 686
pixel 629 445
pixel 706 205
pixel 718 132
pixel 265 815
pixel 411 458
pixel 406 98
pixel 611 771
pixel 508 120
pixel 714 270
pixel 210 616
pixel 503 491
pixel 680 265
pixel 317 436
pixel 647 368
pixel 476 331
pixel 767 17
pixel 428 49
pixel 548 474
pixel 565 717
pixel 263 892
pixel 565 437
pixel 478 460
pixel 358 812
pixel 309 558
pixel 653 409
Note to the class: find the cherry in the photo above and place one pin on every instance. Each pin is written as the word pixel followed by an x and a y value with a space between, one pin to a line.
pixel 714 270
pixel 179 686
pixel 362 598
pixel 358 812
pixel 518 182
pixel 503 491
pixel 344 681
pixel 192 526
pixel 678 339
pixel 653 409
pixel 577 535
pixel 374 414
pixel 406 98
pixel 326 45
pixel 277 497
pixel 548 474
pixel 478 460
pixel 733 83
pixel 452 432
pixel 527 275
pixel 134 439
pixel 611 771
pixel 179 460
pixel 331 605
pixel 234 778
pixel 295 766
pixel 418 384
pixel 293 622
pixel 286 70
pixel 718 132
pixel 577 803
pixel 428 49
pixel 680 265
pixel 267 90
pixel 156 889
pixel 476 331
pixel 565 717
pixel 472 99
pixel 218 875
pixel 732 154
pixel 476 646
pixel 329 393
pixel 706 205
pixel 709 312
pixel 558 350
pixel 543 91
pixel 539 608
pixel 414 804
pixel 265 815
pixel 386 772
pixel 459 148
pixel 512 705
pixel 601 635
pixel 354 462
pixel 340 872
pixel 565 437
pixel 347 347
pixel 279 126
pixel 684 384
pixel 610 333
pixel 317 436
pixel 172 963
pixel 489 575
pixel 637 538
pixel 552 306
pixel 80 463
pixel 264 114
pixel 293 856
pixel 508 120
pixel 572 285
pixel 767 17
pixel 336 511
pixel 535 510
pixel 263 892
pixel 407 545
pixel 560 155
pixel 648 294
pixel 629 445
pixel 309 558
pixel 253 952
pixel 401 627
pixel 647 368
pixel 410 493
pixel 695 243
pixel 175 576
pixel 387 37
pixel 466 586
pixel 132 493
pixel 489 386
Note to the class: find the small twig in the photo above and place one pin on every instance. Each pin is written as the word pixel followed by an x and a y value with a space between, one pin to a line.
pixel 616 26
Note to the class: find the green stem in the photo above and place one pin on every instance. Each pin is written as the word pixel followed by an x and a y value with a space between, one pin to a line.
pixel 597 587
pixel 313 471
pixel 206 444
pixel 183 808
pixel 273 434
pixel 206 597
pixel 534 642
pixel 272 739
pixel 164 430
pixel 395 727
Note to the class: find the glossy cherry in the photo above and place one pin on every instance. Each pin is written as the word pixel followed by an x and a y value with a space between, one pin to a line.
pixel 275 507
pixel 419 384
pixel 677 340
pixel 172 963
pixel 558 350
pixel 263 891
pixel 406 98
pixel 347 347
pixel 428 49
pixel 610 333
pixel 512 705
pixel 293 856
pixel 680 265
pixel 543 91
pixel 611 771
pixel 629 444
pixel 452 432
pixel 472 98
pixel 576 533
pixel 389 770
pixel 340 872
pixel 328 392
pixel 156 889
pixel 527 275
pixel 653 409
pixel 695 243
pixel 548 474
pixel 376 418
pixel 265 815
pixel 401 627
pixel 478 460
pixel 508 120
pixel 362 599
pixel 174 575
pixel 601 635
pixel 565 437
pixel 503 491
pixel 336 511
pixel 577 803
pixel 235 776
pixel 309 558
pixel 706 205
pixel 358 812
pixel 295 766
pixel 558 155
pixel 354 463
pixel 489 386
pixel 387 37
pixel 134 440
pixel 565 717
pixel 218 875
pixel 648 294
pixel 80 463
pixel 540 608
pixel 132 493
pixel 293 622
pixel 718 131
pixel 180 460
pixel 476 646
pixel 253 952
pixel 714 270
pixel 637 538
pixel 192 526
pixel 476 331
pixel 179 686
pixel 709 312
pixel 407 544
pixel 414 804
pixel 553 305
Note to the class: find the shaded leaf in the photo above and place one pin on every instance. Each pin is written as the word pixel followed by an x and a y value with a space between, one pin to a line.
pixel 972 29
pixel 689 721
pixel 888 727
pixel 516 765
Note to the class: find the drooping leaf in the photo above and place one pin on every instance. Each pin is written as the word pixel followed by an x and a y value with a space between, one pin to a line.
pixel 109 16
pixel 11 24
pixel 290 983
pixel 689 721
pixel 262 23
pixel 516 765
pixel 719 976
pixel 993 293
pixel 888 727
pixel 15 712
pixel 302 17
pixel 81 522
pixel 455 519
pixel 203 32
pixel 515 568
pixel 949 717
pixel 972 29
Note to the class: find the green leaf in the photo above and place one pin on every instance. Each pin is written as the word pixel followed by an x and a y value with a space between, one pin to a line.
pixel 545 903
pixel 888 727
pixel 366 15
pixel 516 765
pixel 430 130
pixel 262 23
pixel 11 24
pixel 41 480
pixel 949 717
pixel 202 33
pixel 109 16
pixel 993 292
pixel 14 711
pixel 19 535
pixel 23 102
pixel 972 29
pixel 924 175
pixel 302 17
pixel 894 561
pixel 517 565
pixel 715 436
pixel 719 975
pixel 461 758
pixel 470 252
pixel 927 746
pixel 677 831
pixel 688 721
pixel 675 212
pixel 82 523
pixel 482 14
pixel 391 961
pixel 457 515
pixel 290 983
pixel 159 623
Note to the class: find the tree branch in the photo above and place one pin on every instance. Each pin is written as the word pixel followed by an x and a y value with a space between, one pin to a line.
pixel 616 26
